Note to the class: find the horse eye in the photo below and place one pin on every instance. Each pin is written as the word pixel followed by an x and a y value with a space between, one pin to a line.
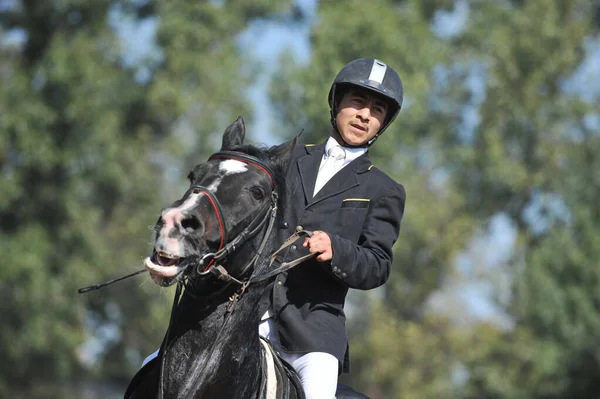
pixel 257 193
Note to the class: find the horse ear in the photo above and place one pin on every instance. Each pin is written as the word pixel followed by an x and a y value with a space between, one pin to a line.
pixel 234 134
pixel 283 152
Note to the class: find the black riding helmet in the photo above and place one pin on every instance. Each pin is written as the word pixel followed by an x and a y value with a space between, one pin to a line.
pixel 372 75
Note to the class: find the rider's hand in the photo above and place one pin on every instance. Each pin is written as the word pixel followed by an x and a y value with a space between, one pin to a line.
pixel 319 243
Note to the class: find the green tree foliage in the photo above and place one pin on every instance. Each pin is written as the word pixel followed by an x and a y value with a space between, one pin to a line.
pixel 534 159
pixel 530 155
pixel 92 146
pixel 401 358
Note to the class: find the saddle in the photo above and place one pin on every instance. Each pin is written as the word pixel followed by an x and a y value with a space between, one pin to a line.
pixel 280 381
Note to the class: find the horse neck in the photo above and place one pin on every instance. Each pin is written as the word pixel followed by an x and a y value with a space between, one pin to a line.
pixel 208 344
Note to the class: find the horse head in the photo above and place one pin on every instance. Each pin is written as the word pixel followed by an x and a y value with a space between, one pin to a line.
pixel 229 207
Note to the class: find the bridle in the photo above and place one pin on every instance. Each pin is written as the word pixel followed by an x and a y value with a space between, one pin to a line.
pixel 212 262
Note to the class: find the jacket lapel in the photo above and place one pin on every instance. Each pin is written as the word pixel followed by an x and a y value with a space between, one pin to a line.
pixel 308 167
pixel 344 180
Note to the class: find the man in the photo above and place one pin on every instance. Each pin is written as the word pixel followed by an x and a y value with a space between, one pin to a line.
pixel 354 210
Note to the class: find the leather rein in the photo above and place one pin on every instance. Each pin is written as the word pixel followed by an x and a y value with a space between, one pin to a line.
pixel 211 262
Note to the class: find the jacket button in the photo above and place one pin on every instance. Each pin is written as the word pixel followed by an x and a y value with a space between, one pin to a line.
pixel 293 247
pixel 284 225
pixel 279 283
pixel 344 275
pixel 299 228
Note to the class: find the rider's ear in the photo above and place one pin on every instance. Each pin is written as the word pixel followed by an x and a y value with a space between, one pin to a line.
pixel 234 134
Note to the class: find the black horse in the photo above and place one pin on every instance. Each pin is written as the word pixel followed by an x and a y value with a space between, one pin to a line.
pixel 217 244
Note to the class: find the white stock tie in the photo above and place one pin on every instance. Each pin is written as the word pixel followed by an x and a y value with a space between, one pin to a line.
pixel 333 163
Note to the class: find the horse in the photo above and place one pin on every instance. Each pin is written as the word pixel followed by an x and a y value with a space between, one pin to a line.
pixel 216 243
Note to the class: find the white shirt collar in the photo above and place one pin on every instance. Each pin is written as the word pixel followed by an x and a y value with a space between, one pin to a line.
pixel 351 153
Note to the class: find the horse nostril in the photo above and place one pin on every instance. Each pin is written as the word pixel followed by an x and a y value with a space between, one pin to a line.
pixel 191 224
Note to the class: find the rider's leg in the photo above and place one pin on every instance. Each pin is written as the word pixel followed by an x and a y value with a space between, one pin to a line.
pixel 318 371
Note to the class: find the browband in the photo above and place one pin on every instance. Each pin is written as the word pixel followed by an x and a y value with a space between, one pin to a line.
pixel 249 159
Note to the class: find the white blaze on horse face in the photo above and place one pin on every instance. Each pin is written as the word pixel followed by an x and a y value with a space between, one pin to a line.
pixel 228 167
pixel 173 218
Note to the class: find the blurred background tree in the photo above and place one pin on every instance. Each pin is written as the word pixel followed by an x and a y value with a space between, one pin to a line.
pixel 495 291
pixel 94 142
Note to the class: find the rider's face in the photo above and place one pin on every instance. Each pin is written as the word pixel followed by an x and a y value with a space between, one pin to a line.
pixel 360 115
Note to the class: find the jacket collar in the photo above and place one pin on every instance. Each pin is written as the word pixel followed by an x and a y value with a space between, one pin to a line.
pixel 308 167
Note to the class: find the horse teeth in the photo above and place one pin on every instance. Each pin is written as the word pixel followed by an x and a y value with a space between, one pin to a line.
pixel 166 255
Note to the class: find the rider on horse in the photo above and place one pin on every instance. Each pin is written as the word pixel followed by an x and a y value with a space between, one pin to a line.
pixel 355 211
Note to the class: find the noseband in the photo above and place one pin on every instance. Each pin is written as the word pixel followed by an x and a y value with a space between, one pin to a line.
pixel 216 206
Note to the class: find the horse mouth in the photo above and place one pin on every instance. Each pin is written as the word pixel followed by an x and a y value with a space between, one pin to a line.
pixel 165 260
pixel 164 267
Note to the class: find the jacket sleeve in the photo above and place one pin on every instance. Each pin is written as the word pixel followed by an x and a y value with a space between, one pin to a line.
pixel 367 265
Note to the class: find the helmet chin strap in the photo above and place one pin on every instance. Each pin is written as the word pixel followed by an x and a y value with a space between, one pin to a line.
pixel 374 139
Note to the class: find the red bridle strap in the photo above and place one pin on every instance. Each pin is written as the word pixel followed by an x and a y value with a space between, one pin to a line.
pixel 218 212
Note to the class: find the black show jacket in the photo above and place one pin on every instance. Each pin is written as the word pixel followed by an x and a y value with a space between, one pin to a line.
pixel 361 209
